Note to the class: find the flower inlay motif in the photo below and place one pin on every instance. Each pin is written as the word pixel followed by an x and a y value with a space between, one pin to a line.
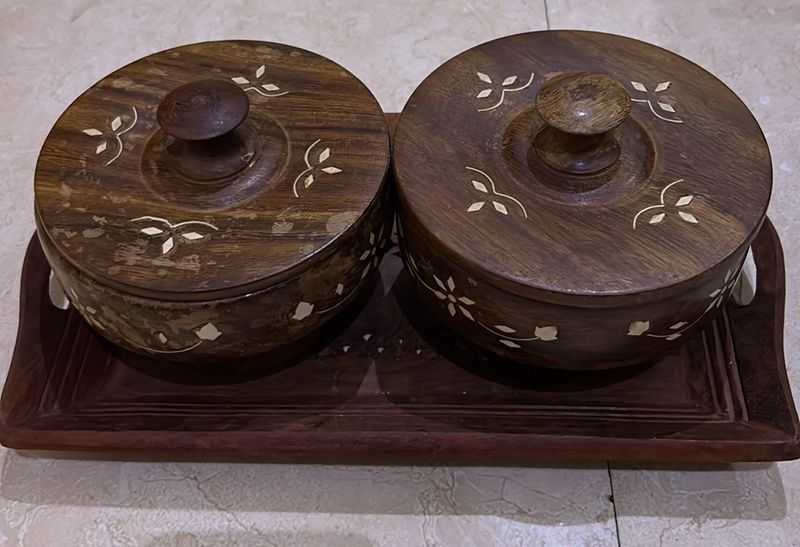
pixel 460 304
pixel 659 216
pixel 501 89
pixel 265 89
pixel 112 136
pixel 370 257
pixel 678 329
pixel 168 233
pixel 314 170
pixel 663 106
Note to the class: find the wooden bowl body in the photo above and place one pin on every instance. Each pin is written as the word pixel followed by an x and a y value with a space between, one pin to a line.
pixel 558 334
pixel 237 327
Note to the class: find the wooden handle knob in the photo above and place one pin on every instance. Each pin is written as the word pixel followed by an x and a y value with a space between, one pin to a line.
pixel 203 110
pixel 581 111
pixel 583 104
pixel 202 117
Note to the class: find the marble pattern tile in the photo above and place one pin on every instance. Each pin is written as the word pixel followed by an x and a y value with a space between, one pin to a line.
pixel 754 47
pixel 47 500
pixel 52 51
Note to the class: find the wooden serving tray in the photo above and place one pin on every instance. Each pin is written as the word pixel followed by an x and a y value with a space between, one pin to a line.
pixel 396 386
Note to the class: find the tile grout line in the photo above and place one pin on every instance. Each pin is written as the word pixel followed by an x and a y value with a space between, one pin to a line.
pixel 613 499
pixel 546 15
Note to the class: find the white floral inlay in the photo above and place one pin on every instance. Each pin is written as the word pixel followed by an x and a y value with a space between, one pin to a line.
pixel 371 257
pixel 500 88
pixel 168 232
pixel 663 106
pixel 312 171
pixel 265 89
pixel 206 333
pixel 491 195
pixel 459 304
pixel 303 310
pixel 638 328
pixel 659 216
pixel 113 135
pixel 676 330
pixel 452 300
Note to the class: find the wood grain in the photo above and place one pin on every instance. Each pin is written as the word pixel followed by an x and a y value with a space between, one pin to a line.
pixel 581 112
pixel 583 104
pixel 216 200
pixel 202 110
pixel 576 247
pixel 643 241
pixel 264 232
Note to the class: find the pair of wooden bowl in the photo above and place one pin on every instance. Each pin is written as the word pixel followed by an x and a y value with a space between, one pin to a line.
pixel 567 199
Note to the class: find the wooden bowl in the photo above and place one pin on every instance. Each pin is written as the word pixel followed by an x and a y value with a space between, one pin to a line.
pixel 576 199
pixel 216 200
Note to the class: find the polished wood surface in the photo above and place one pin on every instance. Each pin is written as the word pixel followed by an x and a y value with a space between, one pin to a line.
pixel 558 241
pixel 147 201
pixel 202 110
pixel 216 200
pixel 397 386
pixel 271 320
pixel 202 117
pixel 581 111
pixel 583 104
pixel 577 197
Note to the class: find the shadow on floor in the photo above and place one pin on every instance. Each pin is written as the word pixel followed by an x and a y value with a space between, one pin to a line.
pixel 743 491
pixel 257 539
pixel 545 495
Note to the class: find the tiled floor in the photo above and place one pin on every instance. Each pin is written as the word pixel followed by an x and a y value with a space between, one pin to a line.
pixel 51 51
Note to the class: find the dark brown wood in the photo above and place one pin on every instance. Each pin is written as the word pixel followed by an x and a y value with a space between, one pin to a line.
pixel 607 265
pixel 581 111
pixel 216 200
pixel 202 110
pixel 270 221
pixel 583 104
pixel 389 390
pixel 202 116
pixel 211 161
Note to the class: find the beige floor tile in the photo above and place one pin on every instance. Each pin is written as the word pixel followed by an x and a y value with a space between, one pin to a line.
pixel 754 47
pixel 743 504
pixel 79 502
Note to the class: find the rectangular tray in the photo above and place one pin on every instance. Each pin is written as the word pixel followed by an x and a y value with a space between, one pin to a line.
pixel 381 393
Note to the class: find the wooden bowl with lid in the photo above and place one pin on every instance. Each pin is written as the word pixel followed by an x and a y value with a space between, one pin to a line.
pixel 216 200
pixel 576 199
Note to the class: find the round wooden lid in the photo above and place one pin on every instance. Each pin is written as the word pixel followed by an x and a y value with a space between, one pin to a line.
pixel 211 169
pixel 581 164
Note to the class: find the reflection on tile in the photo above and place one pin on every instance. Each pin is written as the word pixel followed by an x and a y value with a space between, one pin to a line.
pixel 754 48
pixel 726 505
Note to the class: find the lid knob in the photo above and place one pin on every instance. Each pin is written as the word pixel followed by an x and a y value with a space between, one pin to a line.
pixel 202 117
pixel 203 110
pixel 581 111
